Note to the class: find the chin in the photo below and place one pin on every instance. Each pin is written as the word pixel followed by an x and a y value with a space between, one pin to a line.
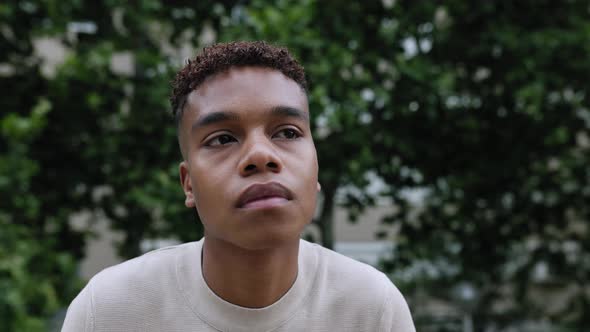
pixel 273 228
pixel 267 239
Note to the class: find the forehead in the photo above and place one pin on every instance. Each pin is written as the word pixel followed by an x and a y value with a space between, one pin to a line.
pixel 247 88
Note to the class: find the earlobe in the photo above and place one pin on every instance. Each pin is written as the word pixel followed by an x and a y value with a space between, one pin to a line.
pixel 319 187
pixel 189 201
pixel 187 187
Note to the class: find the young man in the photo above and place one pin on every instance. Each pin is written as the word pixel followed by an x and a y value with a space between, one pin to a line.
pixel 250 170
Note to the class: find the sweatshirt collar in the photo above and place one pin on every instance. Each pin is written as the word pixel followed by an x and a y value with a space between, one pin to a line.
pixel 225 316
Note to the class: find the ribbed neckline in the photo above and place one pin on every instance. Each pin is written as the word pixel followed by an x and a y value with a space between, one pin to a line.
pixel 228 317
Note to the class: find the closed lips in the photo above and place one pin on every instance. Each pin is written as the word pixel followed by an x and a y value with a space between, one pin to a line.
pixel 257 192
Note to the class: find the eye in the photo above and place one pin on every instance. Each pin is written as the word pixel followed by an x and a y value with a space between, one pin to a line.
pixel 287 133
pixel 220 140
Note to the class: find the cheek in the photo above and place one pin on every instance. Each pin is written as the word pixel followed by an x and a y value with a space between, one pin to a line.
pixel 207 188
pixel 208 185
pixel 210 201
pixel 308 175
pixel 312 168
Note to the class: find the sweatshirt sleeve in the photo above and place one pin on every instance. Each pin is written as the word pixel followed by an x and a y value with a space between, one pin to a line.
pixel 80 315
pixel 396 315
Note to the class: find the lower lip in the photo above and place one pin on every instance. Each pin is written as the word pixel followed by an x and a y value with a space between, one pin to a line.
pixel 265 203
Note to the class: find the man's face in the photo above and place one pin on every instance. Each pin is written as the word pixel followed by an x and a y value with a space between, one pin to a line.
pixel 251 166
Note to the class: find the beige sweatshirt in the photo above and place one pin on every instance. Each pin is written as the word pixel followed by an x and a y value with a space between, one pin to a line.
pixel 164 290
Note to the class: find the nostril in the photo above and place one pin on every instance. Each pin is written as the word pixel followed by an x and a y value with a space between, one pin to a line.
pixel 250 167
pixel 272 165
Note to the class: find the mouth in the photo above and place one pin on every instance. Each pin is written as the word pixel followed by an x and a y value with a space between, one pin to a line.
pixel 264 195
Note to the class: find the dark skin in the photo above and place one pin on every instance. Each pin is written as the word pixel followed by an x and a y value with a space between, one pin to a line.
pixel 241 128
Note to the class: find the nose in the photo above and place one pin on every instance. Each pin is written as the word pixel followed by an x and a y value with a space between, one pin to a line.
pixel 259 156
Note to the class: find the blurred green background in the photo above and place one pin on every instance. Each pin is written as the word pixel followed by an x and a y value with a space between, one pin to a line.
pixel 472 115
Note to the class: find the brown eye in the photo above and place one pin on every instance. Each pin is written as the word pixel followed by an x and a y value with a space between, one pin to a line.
pixel 287 134
pixel 221 140
pixel 224 139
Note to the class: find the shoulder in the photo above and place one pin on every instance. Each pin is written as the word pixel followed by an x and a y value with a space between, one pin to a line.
pixel 347 272
pixel 149 268
pixel 125 294
pixel 360 290
pixel 137 284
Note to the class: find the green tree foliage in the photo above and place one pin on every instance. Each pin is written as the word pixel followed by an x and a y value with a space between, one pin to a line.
pixel 82 136
pixel 477 119
pixel 488 118
pixel 474 115
pixel 34 278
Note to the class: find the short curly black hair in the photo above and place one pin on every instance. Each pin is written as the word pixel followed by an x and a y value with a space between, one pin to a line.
pixel 221 57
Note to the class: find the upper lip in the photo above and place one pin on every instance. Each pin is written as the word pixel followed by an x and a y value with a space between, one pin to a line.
pixel 263 190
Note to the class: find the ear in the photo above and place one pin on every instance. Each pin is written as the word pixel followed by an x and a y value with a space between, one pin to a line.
pixel 319 187
pixel 187 187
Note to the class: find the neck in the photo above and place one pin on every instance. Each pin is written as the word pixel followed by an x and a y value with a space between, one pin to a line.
pixel 249 278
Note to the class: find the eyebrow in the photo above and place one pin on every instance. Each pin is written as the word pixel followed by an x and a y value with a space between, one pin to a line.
pixel 213 118
pixel 287 111
pixel 223 116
